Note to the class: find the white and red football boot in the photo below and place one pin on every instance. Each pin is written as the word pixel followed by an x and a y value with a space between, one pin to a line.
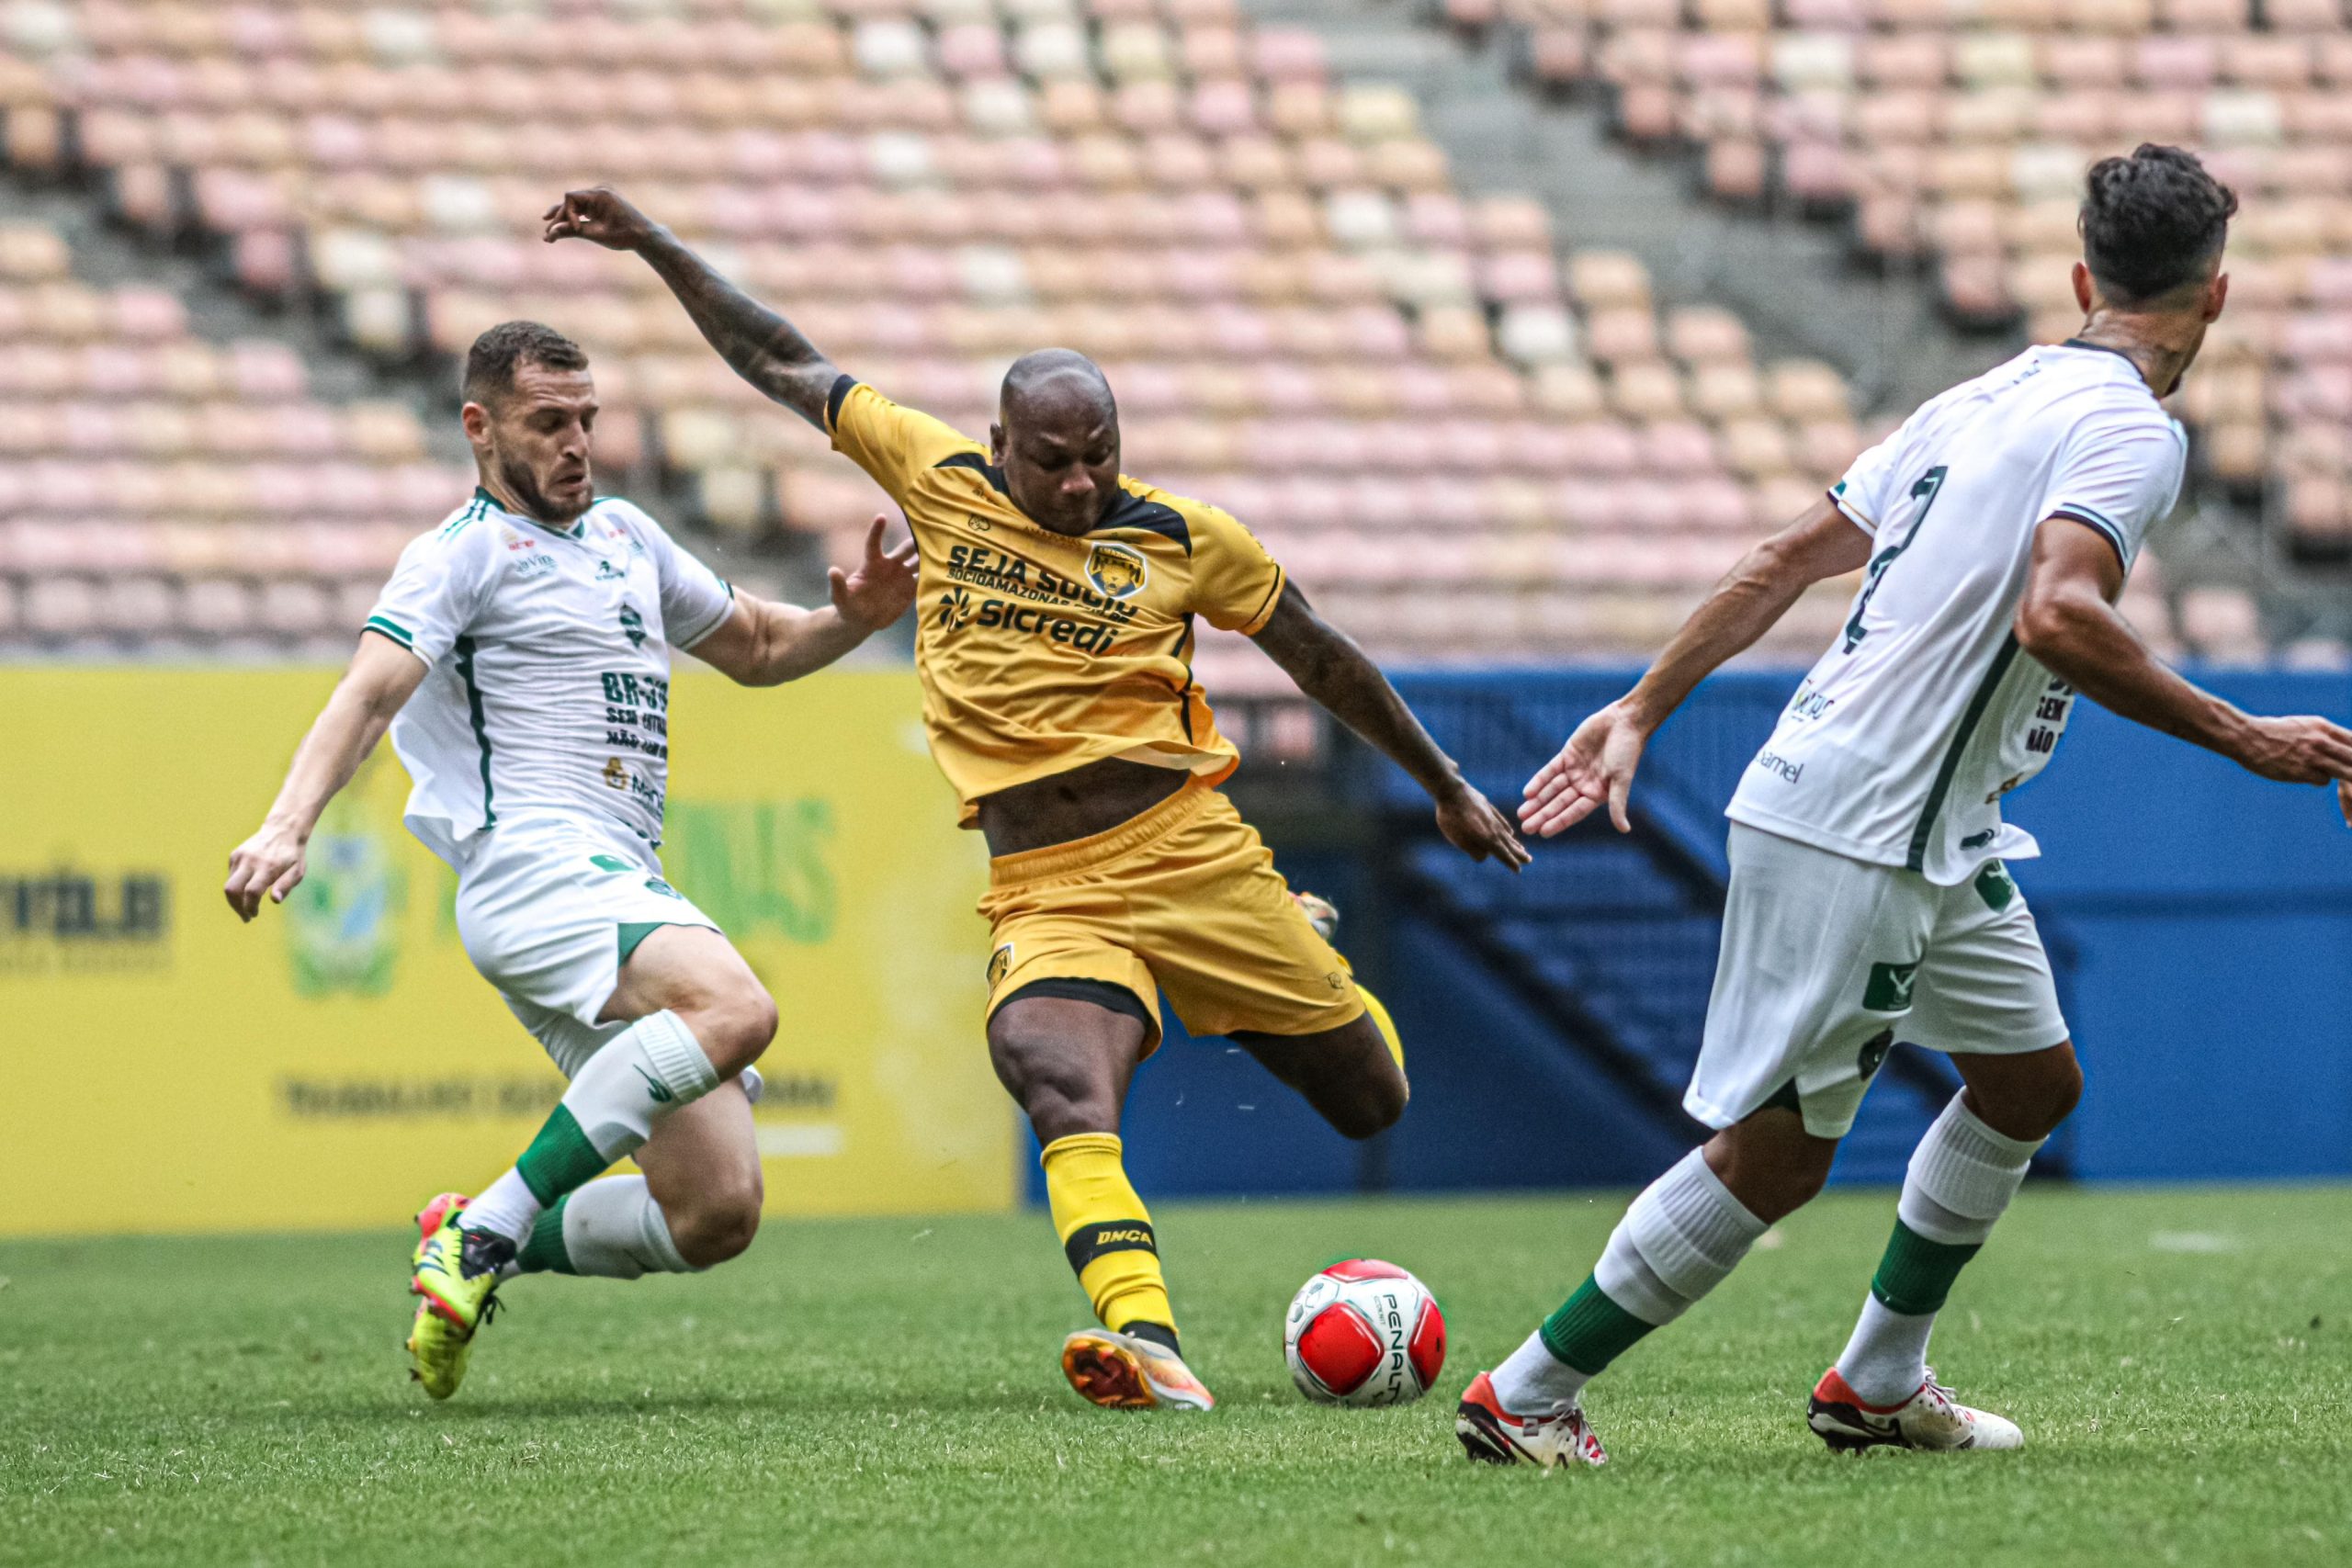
pixel 1931 1420
pixel 1561 1438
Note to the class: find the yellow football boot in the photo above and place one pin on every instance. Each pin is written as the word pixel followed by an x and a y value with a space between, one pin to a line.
pixel 459 1292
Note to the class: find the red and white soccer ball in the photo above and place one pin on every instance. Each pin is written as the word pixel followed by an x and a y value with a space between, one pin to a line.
pixel 1364 1332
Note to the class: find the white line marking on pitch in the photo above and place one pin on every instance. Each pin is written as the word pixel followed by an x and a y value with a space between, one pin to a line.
pixel 2191 1241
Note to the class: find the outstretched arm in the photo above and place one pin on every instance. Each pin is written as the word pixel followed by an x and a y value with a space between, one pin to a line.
pixel 2068 621
pixel 758 344
pixel 383 675
pixel 765 644
pixel 1328 667
pixel 1596 766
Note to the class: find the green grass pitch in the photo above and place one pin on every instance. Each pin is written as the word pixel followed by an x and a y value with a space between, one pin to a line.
pixel 886 1392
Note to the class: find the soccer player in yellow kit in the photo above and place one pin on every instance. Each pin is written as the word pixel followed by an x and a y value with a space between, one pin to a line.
pixel 1057 600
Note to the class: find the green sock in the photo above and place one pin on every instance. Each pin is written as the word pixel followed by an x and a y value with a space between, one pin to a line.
pixel 1590 1330
pixel 559 1158
pixel 1915 1275
pixel 544 1253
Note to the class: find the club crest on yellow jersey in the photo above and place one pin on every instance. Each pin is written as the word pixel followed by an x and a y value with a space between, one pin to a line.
pixel 1117 571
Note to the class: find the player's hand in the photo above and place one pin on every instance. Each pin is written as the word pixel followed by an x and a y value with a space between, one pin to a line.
pixel 1471 825
pixel 2344 799
pixel 881 588
pixel 1595 767
pixel 268 863
pixel 2304 749
pixel 601 215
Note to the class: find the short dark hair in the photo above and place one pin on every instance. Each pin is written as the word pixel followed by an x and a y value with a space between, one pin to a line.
pixel 490 363
pixel 2152 223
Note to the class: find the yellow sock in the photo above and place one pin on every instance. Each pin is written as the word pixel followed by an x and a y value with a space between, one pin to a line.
pixel 1385 1024
pixel 1105 1231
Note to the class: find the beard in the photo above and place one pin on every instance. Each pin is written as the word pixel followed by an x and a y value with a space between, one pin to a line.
pixel 524 485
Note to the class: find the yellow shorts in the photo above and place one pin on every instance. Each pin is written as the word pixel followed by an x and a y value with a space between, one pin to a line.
pixel 1183 898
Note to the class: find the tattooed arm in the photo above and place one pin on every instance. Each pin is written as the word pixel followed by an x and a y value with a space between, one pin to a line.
pixel 1326 665
pixel 758 344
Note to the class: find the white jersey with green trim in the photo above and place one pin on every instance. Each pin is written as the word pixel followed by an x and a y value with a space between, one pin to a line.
pixel 1924 712
pixel 547 690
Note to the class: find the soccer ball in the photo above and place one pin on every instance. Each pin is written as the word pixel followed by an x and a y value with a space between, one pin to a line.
pixel 1364 1332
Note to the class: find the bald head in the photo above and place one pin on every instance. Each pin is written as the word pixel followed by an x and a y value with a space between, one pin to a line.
pixel 1057 379
pixel 1057 439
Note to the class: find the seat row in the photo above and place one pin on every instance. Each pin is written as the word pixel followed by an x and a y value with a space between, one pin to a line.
pixel 357 548
pixel 392 118
pixel 729 37
pixel 373 431
pixel 1799 63
pixel 1169 160
pixel 224 485
pixel 2117 19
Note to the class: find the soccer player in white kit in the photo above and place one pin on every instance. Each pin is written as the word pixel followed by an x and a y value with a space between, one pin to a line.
pixel 1868 893
pixel 519 657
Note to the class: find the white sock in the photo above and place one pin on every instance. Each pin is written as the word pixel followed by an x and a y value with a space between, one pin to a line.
pixel 1687 1233
pixel 612 1229
pixel 640 1074
pixel 1533 1381
pixel 1886 1361
pixel 1961 1180
pixel 1681 1239
pixel 505 1208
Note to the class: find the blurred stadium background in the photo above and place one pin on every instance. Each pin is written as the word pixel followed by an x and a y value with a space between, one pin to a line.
pixel 1507 322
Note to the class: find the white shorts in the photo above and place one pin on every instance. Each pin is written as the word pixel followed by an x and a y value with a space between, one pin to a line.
pixel 548 908
pixel 1827 962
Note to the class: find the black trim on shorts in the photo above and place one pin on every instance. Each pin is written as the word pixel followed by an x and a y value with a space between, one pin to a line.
pixel 1102 993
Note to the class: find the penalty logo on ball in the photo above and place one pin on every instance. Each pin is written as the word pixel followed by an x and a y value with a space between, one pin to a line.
pixel 1363 1332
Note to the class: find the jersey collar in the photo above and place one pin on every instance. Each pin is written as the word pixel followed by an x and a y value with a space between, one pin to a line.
pixel 1128 511
pixel 481 493
pixel 2104 348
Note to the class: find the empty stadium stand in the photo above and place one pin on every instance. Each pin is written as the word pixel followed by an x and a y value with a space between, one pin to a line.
pixel 160 489
pixel 1955 137
pixel 1467 441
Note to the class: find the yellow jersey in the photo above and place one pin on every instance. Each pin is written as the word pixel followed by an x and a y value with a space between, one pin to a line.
pixel 1040 652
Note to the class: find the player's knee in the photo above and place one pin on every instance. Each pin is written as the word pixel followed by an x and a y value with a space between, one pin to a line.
pixel 1771 1164
pixel 735 1025
pixel 2031 1099
pixel 2061 1093
pixel 1059 1108
pixel 721 1221
pixel 1376 1106
pixel 1053 1087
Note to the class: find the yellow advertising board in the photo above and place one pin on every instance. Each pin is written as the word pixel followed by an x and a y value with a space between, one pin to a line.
pixel 338 1061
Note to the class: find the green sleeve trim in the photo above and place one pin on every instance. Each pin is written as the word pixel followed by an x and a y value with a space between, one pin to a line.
pixel 393 629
